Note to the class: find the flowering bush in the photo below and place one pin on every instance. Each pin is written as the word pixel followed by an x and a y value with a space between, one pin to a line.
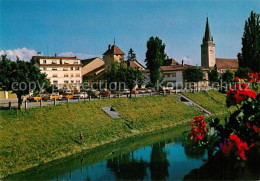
pixel 237 145
pixel 241 132
pixel 238 93
pixel 198 128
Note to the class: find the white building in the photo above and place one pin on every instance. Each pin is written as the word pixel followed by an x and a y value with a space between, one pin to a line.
pixel 173 74
pixel 60 70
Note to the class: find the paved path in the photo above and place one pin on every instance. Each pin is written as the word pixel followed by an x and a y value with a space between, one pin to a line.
pixel 14 102
pixel 207 112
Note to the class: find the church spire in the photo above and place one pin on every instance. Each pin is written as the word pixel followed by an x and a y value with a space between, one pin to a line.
pixel 207 37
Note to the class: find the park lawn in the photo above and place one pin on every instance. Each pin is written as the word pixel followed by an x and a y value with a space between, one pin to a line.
pixel 39 135
pixel 213 101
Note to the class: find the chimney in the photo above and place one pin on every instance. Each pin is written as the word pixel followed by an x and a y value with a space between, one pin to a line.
pixel 55 55
pixel 109 47
pixel 182 62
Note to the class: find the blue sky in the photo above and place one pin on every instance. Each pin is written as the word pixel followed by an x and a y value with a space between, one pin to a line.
pixel 85 28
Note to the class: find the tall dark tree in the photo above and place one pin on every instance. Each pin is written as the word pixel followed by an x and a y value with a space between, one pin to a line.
pixel 155 56
pixel 250 56
pixel 131 55
pixel 21 77
pixel 159 163
pixel 213 76
pixel 228 77
pixel 243 72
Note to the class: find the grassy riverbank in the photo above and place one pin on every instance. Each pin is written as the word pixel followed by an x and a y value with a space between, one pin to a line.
pixel 39 135
pixel 213 101
pixel 105 152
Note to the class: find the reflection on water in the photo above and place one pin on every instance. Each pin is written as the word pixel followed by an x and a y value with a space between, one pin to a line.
pixel 162 160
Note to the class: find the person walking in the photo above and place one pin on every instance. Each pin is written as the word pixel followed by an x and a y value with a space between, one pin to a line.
pixel 81 137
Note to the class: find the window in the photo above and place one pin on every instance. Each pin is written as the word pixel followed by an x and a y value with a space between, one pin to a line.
pixel 66 75
pixel 55 82
pixel 75 62
pixel 77 75
pixel 78 81
pixel 66 62
pixel 71 68
pixel 174 74
pixel 71 75
pixel 44 68
pixel 66 81
pixel 54 68
pixel 44 61
pixel 72 81
pixel 77 68
pixel 54 61
pixel 65 69
pixel 54 75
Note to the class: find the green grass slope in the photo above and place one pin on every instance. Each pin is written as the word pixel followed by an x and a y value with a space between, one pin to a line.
pixel 39 135
pixel 213 101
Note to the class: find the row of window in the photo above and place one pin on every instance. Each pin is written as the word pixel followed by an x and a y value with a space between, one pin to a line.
pixel 170 74
pixel 64 69
pixel 66 75
pixel 66 81
pixel 60 62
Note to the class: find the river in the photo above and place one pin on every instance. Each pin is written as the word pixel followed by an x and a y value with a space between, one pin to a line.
pixel 159 156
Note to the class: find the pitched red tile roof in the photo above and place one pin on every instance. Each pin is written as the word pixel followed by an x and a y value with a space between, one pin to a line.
pixel 225 63
pixel 93 72
pixel 114 50
pixel 176 68
pixel 53 57
pixel 171 61
pixel 135 64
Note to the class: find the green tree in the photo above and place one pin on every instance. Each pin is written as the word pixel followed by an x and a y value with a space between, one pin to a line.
pixel 228 77
pixel 250 56
pixel 132 77
pixel 111 75
pixel 155 56
pixel 21 77
pixel 192 75
pixel 131 55
pixel 214 76
pixel 121 73
pixel 243 72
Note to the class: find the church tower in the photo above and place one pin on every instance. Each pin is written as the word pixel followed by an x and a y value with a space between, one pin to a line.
pixel 208 58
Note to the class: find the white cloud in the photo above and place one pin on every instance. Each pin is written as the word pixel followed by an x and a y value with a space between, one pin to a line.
pixel 187 60
pixel 26 54
pixel 22 53
pixel 78 55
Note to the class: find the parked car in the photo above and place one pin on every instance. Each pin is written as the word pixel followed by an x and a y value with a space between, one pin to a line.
pixel 80 95
pixel 93 93
pixel 148 90
pixel 67 96
pixel 151 88
pixel 51 97
pixel 134 91
pixel 126 91
pixel 35 98
pixel 105 93
pixel 142 90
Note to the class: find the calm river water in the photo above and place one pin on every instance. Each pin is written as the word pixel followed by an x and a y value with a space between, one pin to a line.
pixel 160 156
